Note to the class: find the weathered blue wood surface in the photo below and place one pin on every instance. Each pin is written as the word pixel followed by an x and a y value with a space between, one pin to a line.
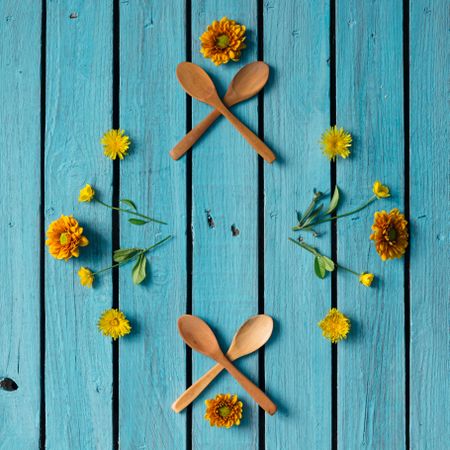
pixel 369 103
pixel 429 145
pixel 20 223
pixel 78 375
pixel 152 111
pixel 225 267
pixel 375 362
pixel 296 111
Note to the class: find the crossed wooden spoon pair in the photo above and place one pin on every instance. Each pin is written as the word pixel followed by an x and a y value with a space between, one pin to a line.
pixel 252 335
pixel 246 83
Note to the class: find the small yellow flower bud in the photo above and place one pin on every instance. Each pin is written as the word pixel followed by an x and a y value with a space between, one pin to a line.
pixel 86 194
pixel 366 279
pixel 380 190
pixel 86 277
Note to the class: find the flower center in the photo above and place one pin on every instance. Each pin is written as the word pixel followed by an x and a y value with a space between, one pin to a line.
pixel 114 322
pixel 392 234
pixel 224 411
pixel 63 239
pixel 222 41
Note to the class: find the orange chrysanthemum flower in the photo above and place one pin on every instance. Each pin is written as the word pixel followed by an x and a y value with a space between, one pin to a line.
pixel 65 236
pixel 390 234
pixel 224 411
pixel 223 41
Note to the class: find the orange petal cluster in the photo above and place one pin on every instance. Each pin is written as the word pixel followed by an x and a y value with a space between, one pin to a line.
pixel 223 41
pixel 64 237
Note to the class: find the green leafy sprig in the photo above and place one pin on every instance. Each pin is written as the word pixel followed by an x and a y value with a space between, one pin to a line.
pixel 322 263
pixel 125 255
pixel 314 216
pixel 132 209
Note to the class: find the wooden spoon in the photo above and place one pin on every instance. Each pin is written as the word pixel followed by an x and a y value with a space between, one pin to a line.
pixel 252 335
pixel 197 84
pixel 245 84
pixel 197 334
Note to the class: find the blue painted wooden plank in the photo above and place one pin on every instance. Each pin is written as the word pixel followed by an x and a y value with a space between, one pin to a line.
pixel 369 86
pixel 225 267
pixel 153 112
pixel 429 137
pixel 79 100
pixel 296 111
pixel 20 60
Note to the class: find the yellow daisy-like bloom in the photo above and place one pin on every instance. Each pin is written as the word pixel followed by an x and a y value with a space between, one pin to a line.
pixel 223 41
pixel 224 411
pixel 366 279
pixel 380 190
pixel 390 234
pixel 86 194
pixel 335 326
pixel 114 323
pixel 86 277
pixel 336 142
pixel 115 144
pixel 64 237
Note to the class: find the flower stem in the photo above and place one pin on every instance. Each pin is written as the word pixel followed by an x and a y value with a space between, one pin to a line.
pixel 143 251
pixel 339 216
pixel 339 266
pixel 312 250
pixel 134 213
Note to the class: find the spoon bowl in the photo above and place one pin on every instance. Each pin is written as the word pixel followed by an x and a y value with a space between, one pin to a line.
pixel 251 336
pixel 247 83
pixel 196 82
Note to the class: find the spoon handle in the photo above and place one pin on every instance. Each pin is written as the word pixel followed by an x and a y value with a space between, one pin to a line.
pixel 254 391
pixel 194 135
pixel 189 395
pixel 248 135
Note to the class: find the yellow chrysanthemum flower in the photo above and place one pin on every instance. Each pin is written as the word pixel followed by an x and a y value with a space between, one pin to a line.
pixel 113 323
pixel 115 144
pixel 64 237
pixel 224 411
pixel 335 326
pixel 223 41
pixel 336 142
pixel 366 279
pixel 86 194
pixel 380 190
pixel 86 277
pixel 390 234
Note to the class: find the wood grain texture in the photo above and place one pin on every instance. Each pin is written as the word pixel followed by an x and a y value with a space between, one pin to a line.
pixel 20 60
pixel 296 111
pixel 429 137
pixel 225 267
pixel 78 371
pixel 369 87
pixel 153 112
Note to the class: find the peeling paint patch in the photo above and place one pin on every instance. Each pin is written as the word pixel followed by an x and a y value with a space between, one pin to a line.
pixel 211 223
pixel 8 385
pixel 235 231
pixel 73 15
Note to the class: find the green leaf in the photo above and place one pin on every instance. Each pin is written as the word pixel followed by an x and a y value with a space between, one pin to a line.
pixel 128 203
pixel 334 200
pixel 138 221
pixel 312 216
pixel 299 216
pixel 124 254
pixel 319 268
pixel 328 264
pixel 139 271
